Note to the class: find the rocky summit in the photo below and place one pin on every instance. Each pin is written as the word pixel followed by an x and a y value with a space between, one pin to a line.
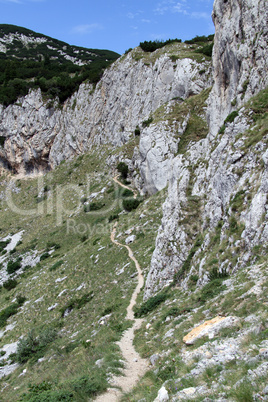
pixel 134 215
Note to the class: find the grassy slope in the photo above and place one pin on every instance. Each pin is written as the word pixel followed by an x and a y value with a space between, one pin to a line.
pixel 88 259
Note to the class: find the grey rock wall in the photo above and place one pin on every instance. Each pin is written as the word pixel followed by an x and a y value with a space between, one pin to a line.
pixel 203 182
pixel 40 134
pixel 240 62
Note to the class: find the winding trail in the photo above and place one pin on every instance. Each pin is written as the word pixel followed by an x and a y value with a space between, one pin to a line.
pixel 115 179
pixel 135 366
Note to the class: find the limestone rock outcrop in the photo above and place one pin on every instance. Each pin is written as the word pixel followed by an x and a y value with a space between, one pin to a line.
pixel 240 62
pixel 230 164
pixel 40 134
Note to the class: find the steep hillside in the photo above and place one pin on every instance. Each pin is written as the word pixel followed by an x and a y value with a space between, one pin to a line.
pixel 218 186
pixel 189 137
pixel 32 60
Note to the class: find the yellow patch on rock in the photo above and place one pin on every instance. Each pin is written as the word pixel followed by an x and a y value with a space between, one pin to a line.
pixel 202 329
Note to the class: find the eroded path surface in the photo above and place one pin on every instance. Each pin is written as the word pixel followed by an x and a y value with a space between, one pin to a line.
pixel 115 179
pixel 135 366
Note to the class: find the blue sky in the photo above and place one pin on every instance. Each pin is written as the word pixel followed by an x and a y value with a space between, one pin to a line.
pixel 111 24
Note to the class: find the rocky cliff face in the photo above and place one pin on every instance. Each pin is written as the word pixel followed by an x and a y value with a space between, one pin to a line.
pixel 214 162
pixel 40 134
pixel 215 215
pixel 240 56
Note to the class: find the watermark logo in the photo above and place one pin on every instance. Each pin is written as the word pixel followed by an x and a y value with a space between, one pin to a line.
pixel 67 201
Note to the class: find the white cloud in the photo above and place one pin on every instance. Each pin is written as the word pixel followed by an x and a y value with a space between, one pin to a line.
pixel 131 15
pixel 180 8
pixel 146 21
pixel 11 1
pixel 86 28
pixel 200 15
pixel 21 2
pixel 172 6
pixel 164 6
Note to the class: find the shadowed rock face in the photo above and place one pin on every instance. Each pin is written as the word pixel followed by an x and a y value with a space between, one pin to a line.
pixel 239 56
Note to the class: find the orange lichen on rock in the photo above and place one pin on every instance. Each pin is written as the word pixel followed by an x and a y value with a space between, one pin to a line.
pixel 202 330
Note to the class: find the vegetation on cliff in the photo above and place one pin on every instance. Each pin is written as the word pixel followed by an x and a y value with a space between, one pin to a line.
pixel 32 60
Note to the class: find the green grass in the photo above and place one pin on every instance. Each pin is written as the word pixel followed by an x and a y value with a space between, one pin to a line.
pixel 179 50
pixel 197 127
pixel 150 304
pixel 259 106
pixel 11 310
pixel 187 263
pixel 32 347
pixel 88 266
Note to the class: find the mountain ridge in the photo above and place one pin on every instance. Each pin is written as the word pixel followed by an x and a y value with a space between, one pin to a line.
pixel 6 30
pixel 30 60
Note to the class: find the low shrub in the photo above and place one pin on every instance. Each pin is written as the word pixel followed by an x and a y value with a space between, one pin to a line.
pixel 78 389
pixel 44 392
pixel 34 346
pixel 2 140
pixel 122 168
pixel 71 346
pixel 13 266
pixel 151 304
pixel 10 310
pixel 211 289
pixel 147 122
pixel 173 312
pixel 194 278
pixel 76 303
pixel 222 129
pixel 83 200
pixel 127 193
pixel 93 206
pixel 233 224
pixel 56 265
pixel 216 274
pixel 137 131
pixel 151 46
pixel 130 204
pixel 10 284
pixel 198 39
pixel 44 256
pixel 113 217
pixel 51 244
pixel 206 50
pixel 89 385
pixel 95 241
pixel 230 118
pixel 4 243
pixel 237 201
pixel 128 50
